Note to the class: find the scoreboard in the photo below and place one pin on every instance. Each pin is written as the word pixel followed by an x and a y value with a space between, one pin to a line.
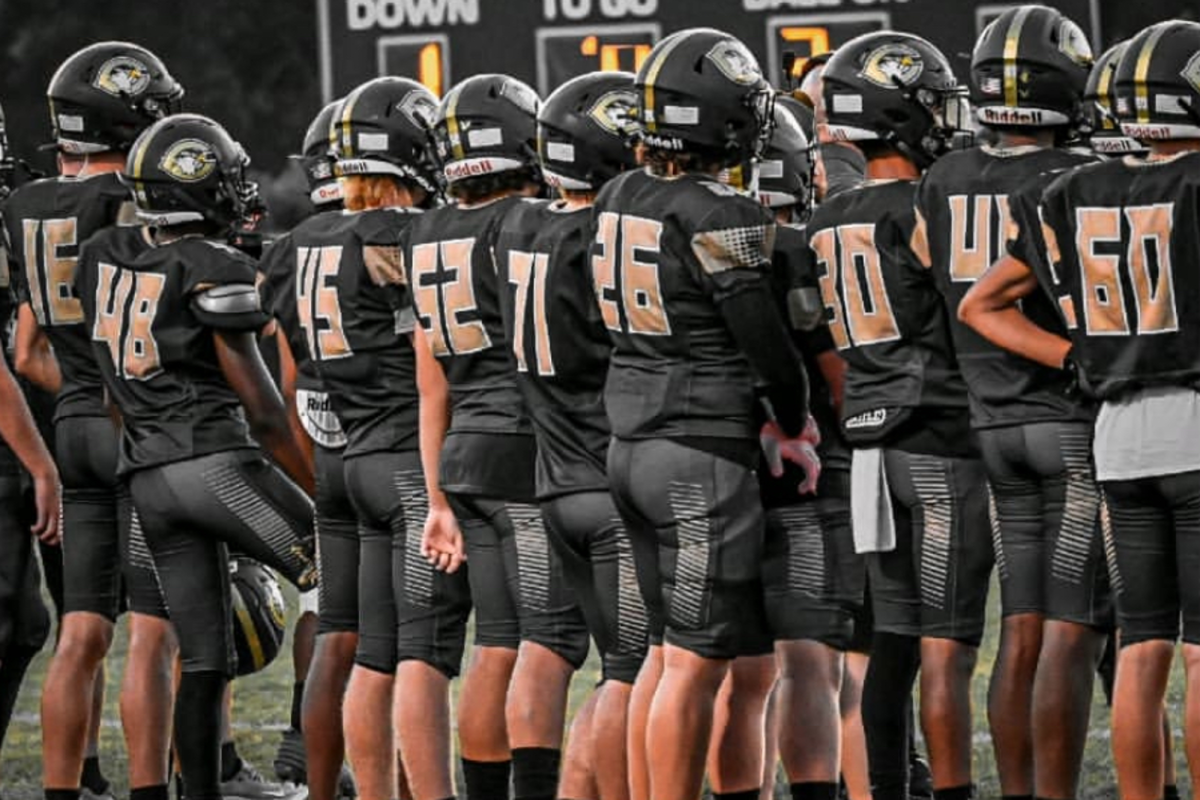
pixel 546 42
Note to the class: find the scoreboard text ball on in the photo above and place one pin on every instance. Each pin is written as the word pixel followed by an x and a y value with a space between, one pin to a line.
pixel 546 42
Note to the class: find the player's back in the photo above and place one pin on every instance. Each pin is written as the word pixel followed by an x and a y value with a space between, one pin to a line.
pixel 559 342
pixel 676 370
pixel 155 345
pixel 48 221
pixel 884 312
pixel 456 294
pixel 338 291
pixel 965 218
pixel 1124 238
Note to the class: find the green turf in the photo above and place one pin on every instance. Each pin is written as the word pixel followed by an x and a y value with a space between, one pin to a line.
pixel 262 705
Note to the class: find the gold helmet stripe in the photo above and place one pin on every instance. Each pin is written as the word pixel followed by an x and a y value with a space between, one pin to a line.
pixel 1012 47
pixel 257 657
pixel 345 148
pixel 452 131
pixel 138 158
pixel 1141 72
pixel 652 71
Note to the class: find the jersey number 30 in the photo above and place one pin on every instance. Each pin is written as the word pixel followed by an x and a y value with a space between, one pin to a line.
pixel 126 303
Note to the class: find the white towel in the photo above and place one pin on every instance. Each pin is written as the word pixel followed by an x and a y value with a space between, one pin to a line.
pixel 871 503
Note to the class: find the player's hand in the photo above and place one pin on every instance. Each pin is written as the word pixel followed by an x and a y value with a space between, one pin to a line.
pixel 442 541
pixel 800 450
pixel 48 497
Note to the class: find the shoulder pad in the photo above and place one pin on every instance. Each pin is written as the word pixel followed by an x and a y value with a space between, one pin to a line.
pixel 719 189
pixel 231 306
pixel 232 298
pixel 746 247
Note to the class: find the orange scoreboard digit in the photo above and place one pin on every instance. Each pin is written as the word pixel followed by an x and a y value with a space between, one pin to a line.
pixel 808 35
pixel 564 53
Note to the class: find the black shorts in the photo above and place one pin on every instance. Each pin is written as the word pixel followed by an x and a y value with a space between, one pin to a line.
pixel 190 511
pixel 698 528
pixel 337 545
pixel 24 621
pixel 517 582
pixel 1049 551
pixel 407 609
pixel 812 578
pixel 935 582
pixel 96 520
pixel 598 561
pixel 1156 544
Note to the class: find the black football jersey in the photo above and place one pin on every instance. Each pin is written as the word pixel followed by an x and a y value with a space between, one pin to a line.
pixel 48 221
pixel 794 275
pixel 455 289
pixel 155 346
pixel 559 342
pixel 884 312
pixel 665 255
pixel 1115 233
pixel 336 285
pixel 964 221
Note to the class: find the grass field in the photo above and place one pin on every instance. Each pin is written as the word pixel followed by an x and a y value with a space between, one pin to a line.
pixel 262 702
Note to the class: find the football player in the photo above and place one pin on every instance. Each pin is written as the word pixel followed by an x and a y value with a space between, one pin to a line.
pixel 317 759
pixel 530 636
pixel 1114 233
pixel 1028 73
pixel 680 271
pixel 919 496
pixel 1105 136
pixel 346 310
pixel 100 99
pixel 561 351
pixel 172 327
pixel 814 581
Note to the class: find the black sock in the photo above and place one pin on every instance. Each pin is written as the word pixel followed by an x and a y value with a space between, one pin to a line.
pixel 231 762
pixel 93 778
pixel 955 793
pixel 886 711
pixel 198 733
pixel 749 794
pixel 297 704
pixel 485 780
pixel 1018 797
pixel 814 790
pixel 159 792
pixel 1170 792
pixel 61 794
pixel 535 773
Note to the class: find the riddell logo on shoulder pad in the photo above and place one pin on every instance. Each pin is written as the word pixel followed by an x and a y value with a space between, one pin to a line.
pixel 868 419
pixel 1010 116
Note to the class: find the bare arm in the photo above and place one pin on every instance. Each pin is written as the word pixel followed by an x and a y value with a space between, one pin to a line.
pixel 287 380
pixel 34 359
pixel 990 307
pixel 442 543
pixel 20 432
pixel 243 368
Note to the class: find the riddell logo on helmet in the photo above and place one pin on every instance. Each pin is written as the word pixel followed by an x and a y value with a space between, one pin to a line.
pixel 1010 116
pixel 468 169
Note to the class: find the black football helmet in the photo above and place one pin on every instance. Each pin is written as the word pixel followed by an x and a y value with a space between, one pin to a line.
pixel 1100 108
pixel 317 158
pixel 898 89
pixel 259 615
pixel 485 125
pixel 585 131
pixel 187 168
pixel 385 127
pixel 1158 83
pixel 701 90
pixel 1029 69
pixel 785 171
pixel 102 97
